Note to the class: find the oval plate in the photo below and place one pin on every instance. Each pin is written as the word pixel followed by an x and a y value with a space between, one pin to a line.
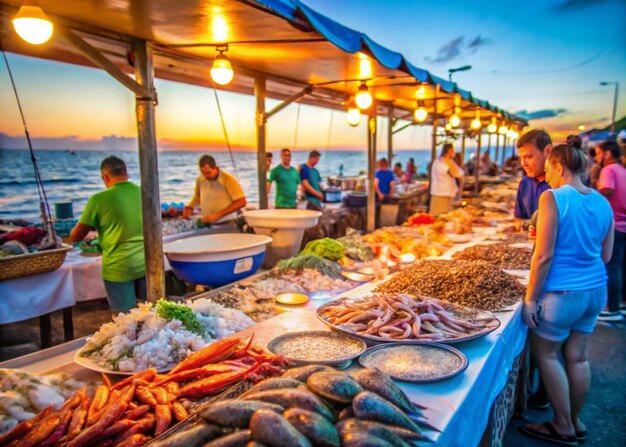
pixel 415 362
pixel 86 362
pixel 333 344
pixel 373 339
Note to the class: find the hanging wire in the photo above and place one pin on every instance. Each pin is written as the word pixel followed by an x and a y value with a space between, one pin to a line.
pixel 44 206
pixel 330 128
pixel 295 136
pixel 230 151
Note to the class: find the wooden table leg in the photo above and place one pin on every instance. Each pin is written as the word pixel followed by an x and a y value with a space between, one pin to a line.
pixel 68 324
pixel 45 331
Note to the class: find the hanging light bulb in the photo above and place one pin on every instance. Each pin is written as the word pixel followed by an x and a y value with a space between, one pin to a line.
pixel 33 25
pixel 492 127
pixel 476 123
pixel 354 116
pixel 510 133
pixel 454 119
pixel 363 98
pixel 503 129
pixel 420 113
pixel 221 70
pixel 448 127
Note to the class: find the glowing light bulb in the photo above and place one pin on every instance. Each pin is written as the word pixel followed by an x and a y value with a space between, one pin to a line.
pixel 491 128
pixel 455 120
pixel 503 130
pixel 222 71
pixel 420 114
pixel 33 25
pixel 448 127
pixel 354 116
pixel 363 98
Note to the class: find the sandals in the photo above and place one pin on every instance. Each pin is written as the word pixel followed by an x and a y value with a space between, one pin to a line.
pixel 581 436
pixel 552 435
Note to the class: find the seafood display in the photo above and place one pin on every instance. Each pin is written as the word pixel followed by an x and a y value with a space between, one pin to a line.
pixel 255 297
pixel 500 255
pixel 317 347
pixel 23 395
pixel 325 407
pixel 177 226
pixel 392 242
pixel 475 284
pixel 160 336
pixel 140 407
pixel 415 363
pixel 386 317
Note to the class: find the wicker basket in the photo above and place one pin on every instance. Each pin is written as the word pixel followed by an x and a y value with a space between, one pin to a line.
pixel 32 263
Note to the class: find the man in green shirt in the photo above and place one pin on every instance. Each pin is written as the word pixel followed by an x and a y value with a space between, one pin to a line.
pixel 287 180
pixel 115 214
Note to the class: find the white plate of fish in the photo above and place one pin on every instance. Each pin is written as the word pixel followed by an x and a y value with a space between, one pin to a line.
pixel 415 362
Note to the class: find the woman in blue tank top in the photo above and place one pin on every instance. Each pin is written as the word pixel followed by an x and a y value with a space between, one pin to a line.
pixel 567 288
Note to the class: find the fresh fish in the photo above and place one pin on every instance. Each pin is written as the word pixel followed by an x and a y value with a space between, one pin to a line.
pixel 275 383
pixel 380 383
pixel 334 385
pixel 298 398
pixel 199 433
pixel 236 413
pixel 364 440
pixel 302 373
pixel 372 407
pixel 378 429
pixel 346 413
pixel 316 428
pixel 275 431
pixel 237 439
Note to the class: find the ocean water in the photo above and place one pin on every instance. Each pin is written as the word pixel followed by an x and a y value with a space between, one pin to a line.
pixel 75 177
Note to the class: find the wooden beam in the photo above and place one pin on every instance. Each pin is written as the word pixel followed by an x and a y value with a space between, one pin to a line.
pixel 477 173
pixel 261 120
pixel 371 167
pixel 390 135
pixel 98 59
pixel 305 91
pixel 149 169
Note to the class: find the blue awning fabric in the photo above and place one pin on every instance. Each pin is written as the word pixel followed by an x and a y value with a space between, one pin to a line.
pixel 352 41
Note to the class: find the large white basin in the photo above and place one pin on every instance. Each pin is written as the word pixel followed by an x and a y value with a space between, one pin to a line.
pixel 285 226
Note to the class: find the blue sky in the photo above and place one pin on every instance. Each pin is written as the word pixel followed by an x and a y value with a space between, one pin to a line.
pixel 543 57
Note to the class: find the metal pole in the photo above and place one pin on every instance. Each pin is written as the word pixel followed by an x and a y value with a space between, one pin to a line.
pixel 259 92
pixel 149 169
pixel 390 135
pixel 498 145
pixel 477 165
pixel 489 147
pixel 371 164
pixel 614 109
pixel 504 142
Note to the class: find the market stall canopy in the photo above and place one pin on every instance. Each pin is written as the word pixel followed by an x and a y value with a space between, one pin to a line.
pixel 604 133
pixel 286 42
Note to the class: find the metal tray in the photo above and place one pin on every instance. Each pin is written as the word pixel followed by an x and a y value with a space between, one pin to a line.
pixel 372 339
pixel 438 362
pixel 317 342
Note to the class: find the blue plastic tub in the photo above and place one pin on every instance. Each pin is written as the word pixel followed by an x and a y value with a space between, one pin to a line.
pixel 217 259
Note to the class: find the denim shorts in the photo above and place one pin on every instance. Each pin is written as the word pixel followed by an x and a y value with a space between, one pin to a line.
pixel 561 312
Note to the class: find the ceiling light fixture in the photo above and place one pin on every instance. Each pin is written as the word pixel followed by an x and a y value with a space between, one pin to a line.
pixel 363 97
pixel 420 114
pixel 33 25
pixel 221 70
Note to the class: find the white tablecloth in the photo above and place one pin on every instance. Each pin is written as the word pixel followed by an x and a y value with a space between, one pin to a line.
pixel 78 279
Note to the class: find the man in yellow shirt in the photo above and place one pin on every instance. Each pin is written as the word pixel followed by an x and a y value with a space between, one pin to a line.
pixel 217 192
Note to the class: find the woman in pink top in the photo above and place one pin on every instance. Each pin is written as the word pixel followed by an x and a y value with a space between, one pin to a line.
pixel 612 184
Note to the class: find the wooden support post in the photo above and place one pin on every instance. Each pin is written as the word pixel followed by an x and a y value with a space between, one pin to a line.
pixel 477 164
pixel 463 150
pixel 259 93
pixel 149 170
pixel 371 167
pixel 498 146
pixel 504 148
pixel 390 136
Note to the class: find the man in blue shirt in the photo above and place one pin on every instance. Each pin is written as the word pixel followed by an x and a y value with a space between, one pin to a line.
pixel 384 181
pixel 310 179
pixel 533 148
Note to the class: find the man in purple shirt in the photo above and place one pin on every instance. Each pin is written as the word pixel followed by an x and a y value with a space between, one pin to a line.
pixel 533 148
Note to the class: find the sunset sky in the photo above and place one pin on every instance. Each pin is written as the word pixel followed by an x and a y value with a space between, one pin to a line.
pixel 542 59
